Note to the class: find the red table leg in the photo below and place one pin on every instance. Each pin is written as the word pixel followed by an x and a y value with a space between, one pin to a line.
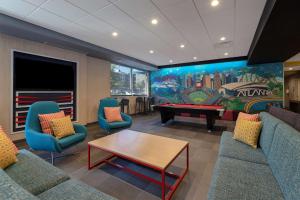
pixel 163 183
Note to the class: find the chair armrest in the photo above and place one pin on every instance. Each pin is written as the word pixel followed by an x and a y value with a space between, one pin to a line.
pixel 41 141
pixel 103 124
pixel 79 128
pixel 126 117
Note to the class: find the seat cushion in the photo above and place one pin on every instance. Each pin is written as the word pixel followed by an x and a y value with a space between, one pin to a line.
pixel 238 150
pixel 34 174
pixel 71 140
pixel 284 160
pixel 267 132
pixel 119 124
pixel 236 179
pixel 10 190
pixel 73 190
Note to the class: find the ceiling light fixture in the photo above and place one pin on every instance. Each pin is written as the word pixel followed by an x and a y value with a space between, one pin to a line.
pixel 171 61
pixel 226 54
pixel 223 38
pixel 214 3
pixel 151 51
pixel 182 46
pixel 115 34
pixel 154 21
pixel 290 68
pixel 195 58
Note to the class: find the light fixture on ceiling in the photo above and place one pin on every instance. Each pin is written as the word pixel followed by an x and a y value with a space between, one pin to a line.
pixel 223 38
pixel 154 21
pixel 214 3
pixel 226 54
pixel 290 68
pixel 195 58
pixel 170 61
pixel 151 52
pixel 182 46
pixel 115 34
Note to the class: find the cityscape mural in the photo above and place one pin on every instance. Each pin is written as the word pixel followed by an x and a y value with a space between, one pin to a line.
pixel 231 84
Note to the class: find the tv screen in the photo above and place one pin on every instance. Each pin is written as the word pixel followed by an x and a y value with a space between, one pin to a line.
pixel 38 73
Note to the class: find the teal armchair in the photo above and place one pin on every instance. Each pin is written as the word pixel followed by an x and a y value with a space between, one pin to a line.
pixel 110 102
pixel 45 142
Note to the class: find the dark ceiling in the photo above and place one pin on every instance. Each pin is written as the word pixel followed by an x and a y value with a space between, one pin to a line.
pixel 277 37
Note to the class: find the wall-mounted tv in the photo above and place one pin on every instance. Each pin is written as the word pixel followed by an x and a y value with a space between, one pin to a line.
pixel 38 73
pixel 37 78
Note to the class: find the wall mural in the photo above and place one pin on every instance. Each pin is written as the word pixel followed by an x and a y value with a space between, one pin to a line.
pixel 232 84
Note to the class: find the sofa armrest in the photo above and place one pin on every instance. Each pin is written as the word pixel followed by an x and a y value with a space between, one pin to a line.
pixel 103 124
pixel 126 117
pixel 79 128
pixel 10 190
pixel 41 141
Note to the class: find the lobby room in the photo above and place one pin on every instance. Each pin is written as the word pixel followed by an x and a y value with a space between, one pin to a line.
pixel 149 99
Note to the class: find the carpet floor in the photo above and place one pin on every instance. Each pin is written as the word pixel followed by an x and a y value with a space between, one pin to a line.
pixel 203 154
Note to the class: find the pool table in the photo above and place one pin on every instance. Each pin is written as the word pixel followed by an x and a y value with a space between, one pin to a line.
pixel 211 112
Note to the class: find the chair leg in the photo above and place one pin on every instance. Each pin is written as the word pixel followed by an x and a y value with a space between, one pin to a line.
pixel 52 158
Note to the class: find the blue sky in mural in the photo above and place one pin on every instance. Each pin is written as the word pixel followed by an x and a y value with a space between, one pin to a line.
pixel 233 84
pixel 205 68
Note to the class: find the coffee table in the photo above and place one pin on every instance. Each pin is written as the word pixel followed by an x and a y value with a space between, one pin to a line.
pixel 155 152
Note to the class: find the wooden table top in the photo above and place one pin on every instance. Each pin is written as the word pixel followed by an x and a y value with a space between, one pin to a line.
pixel 150 149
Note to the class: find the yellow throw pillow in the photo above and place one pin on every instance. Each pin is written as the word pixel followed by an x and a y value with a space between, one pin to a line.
pixel 247 131
pixel 62 127
pixel 7 151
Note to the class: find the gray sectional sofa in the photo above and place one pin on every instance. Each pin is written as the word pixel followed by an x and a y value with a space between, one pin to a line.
pixel 32 178
pixel 271 172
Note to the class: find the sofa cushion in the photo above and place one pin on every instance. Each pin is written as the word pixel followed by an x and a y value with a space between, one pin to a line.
pixel 10 190
pixel 34 174
pixel 73 190
pixel 237 179
pixel 119 124
pixel 284 160
pixel 267 132
pixel 238 150
pixel 285 115
pixel 71 140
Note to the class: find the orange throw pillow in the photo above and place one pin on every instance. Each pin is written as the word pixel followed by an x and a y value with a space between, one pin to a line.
pixel 113 114
pixel 45 120
pixel 249 117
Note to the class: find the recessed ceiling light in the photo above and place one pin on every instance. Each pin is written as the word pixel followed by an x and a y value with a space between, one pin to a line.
pixel 195 58
pixel 154 21
pixel 171 61
pixel 226 54
pixel 214 3
pixel 223 38
pixel 115 34
pixel 151 51
pixel 290 68
pixel 182 46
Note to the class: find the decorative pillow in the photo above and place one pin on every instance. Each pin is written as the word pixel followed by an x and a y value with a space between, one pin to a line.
pixel 45 120
pixel 113 114
pixel 7 151
pixel 247 132
pixel 14 146
pixel 249 117
pixel 62 127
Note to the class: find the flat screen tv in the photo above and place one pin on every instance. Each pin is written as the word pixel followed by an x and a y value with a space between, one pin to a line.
pixel 38 73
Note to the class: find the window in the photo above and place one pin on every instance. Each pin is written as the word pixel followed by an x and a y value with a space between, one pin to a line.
pixel 139 82
pixel 128 81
